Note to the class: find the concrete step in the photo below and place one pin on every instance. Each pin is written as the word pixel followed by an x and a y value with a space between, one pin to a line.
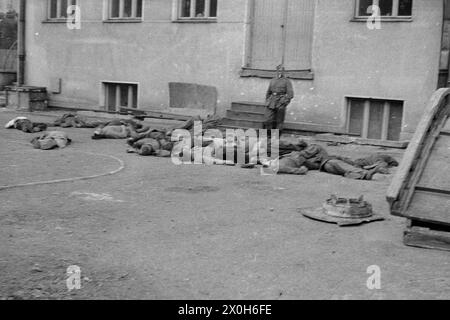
pixel 250 116
pixel 242 123
pixel 252 107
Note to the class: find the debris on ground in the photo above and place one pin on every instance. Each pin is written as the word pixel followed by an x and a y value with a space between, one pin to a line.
pixel 343 211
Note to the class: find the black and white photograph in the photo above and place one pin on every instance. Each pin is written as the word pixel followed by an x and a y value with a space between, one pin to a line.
pixel 252 152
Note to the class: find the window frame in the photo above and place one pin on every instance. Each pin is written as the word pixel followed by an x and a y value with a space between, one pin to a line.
pixel 366 116
pixel 110 18
pixel 192 18
pixel 393 17
pixel 117 84
pixel 58 10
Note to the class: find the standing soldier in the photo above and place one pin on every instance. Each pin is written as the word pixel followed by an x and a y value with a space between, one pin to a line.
pixel 278 97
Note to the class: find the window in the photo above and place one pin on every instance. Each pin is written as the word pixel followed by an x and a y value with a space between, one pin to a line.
pixel 197 9
pixel 58 8
pixel 125 9
pixel 375 119
pixel 388 8
pixel 120 95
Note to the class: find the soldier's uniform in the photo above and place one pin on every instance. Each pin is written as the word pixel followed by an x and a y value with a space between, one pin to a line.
pixel 278 97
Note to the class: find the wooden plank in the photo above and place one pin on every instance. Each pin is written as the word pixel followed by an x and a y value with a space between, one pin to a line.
pixel 267 33
pixel 432 190
pixel 429 206
pixel 426 238
pixel 156 114
pixel 371 142
pixel 447 125
pixel 415 146
pixel 299 34
pixel 436 174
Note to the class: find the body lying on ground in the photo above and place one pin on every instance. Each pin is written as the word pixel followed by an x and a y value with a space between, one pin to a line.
pixel 51 140
pixel 150 141
pixel 134 129
pixel 377 160
pixel 315 157
pixel 112 132
pixel 76 121
pixel 119 129
pixel 152 147
pixel 231 150
pixel 25 125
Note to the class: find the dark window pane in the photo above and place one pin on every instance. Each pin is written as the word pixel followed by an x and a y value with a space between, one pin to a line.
pixel 405 8
pixel 72 3
pixel 135 96
pixel 356 117
pixel 364 7
pixel 63 8
pixel 385 7
pixel 213 8
pixel 115 8
pixel 139 9
pixel 53 6
pixel 111 97
pixel 124 95
pixel 395 121
pixel 127 8
pixel 200 8
pixel 185 8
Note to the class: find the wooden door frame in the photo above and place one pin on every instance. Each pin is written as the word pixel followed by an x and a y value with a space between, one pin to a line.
pixel 247 69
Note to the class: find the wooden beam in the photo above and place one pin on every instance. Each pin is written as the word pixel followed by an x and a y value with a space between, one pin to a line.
pixel 427 238
pixel 156 114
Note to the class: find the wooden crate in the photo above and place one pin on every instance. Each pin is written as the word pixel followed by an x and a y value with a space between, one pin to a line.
pixel 26 98
pixel 420 190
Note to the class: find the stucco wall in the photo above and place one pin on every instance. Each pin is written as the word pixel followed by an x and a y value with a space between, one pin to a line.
pixel 400 61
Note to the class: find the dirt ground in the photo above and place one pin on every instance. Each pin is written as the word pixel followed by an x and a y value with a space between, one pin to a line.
pixel 159 231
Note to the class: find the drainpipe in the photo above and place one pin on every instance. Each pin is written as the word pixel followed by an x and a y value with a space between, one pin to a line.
pixel 21 44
